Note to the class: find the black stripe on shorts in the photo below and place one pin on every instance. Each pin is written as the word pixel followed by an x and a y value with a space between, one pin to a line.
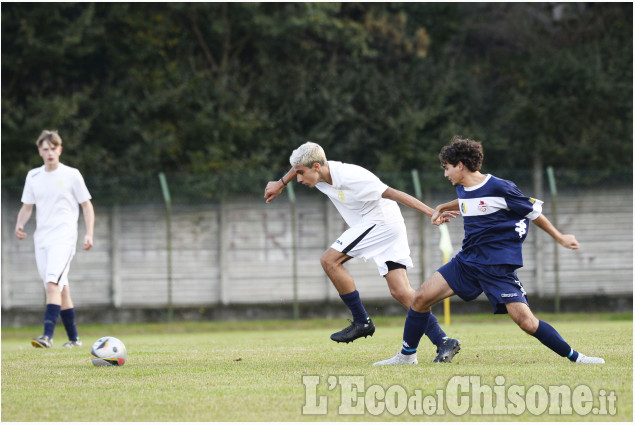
pixel 358 240
pixel 64 269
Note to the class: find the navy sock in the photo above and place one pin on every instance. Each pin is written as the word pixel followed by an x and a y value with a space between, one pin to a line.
pixel 413 330
pixel 552 339
pixel 354 304
pixel 434 331
pixel 50 319
pixel 68 318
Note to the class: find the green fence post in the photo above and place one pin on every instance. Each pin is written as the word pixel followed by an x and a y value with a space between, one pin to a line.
pixel 168 208
pixel 556 266
pixel 294 255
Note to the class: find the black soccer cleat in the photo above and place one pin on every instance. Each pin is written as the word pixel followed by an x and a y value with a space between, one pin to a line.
pixel 354 331
pixel 447 350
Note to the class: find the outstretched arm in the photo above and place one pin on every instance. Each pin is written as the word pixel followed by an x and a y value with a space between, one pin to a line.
pixel 568 241
pixel 414 203
pixel 274 188
pixel 23 217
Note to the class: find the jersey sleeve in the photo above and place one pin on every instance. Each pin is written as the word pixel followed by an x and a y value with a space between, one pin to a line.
pixel 28 197
pixel 523 205
pixel 80 191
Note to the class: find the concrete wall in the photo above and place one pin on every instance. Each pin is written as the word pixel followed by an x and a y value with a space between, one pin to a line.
pixel 240 253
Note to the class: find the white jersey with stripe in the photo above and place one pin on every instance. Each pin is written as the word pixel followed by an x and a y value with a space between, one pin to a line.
pixel 496 218
pixel 357 195
pixel 56 196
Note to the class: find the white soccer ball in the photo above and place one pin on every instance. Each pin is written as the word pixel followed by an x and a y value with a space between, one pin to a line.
pixel 108 351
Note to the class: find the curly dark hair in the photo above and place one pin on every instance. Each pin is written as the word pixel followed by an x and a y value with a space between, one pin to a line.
pixel 467 151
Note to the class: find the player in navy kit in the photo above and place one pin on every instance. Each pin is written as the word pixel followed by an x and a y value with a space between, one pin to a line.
pixel 496 218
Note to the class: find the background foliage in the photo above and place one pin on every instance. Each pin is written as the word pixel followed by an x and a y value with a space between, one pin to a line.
pixel 224 89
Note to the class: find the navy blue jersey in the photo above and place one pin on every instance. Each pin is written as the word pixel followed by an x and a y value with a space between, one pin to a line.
pixel 496 218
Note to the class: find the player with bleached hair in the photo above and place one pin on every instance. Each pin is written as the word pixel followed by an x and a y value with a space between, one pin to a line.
pixel 56 190
pixel 496 218
pixel 377 231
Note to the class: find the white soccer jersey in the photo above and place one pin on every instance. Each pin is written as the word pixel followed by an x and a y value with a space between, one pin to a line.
pixel 356 193
pixel 56 196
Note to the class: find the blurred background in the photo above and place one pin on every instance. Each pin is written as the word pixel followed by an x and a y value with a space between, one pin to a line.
pixel 215 96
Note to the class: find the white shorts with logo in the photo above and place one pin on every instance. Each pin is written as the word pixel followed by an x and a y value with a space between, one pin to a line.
pixel 53 263
pixel 381 242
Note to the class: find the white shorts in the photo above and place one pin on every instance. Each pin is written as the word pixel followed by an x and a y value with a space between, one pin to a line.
pixel 381 242
pixel 53 263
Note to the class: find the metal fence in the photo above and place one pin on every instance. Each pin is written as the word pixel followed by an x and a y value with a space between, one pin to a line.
pixel 238 250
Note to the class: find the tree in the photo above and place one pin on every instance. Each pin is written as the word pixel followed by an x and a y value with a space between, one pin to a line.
pixel 216 89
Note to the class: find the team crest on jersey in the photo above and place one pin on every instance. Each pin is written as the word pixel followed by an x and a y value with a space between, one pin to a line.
pixel 463 207
pixel 341 196
pixel 482 206
pixel 60 183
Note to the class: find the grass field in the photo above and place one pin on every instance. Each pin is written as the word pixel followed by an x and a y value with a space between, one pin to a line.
pixel 254 371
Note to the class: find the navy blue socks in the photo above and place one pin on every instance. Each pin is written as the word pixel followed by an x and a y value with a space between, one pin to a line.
pixel 50 319
pixel 552 339
pixel 68 319
pixel 413 330
pixel 417 322
pixel 434 331
pixel 354 304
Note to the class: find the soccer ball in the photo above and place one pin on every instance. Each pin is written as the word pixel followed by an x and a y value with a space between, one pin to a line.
pixel 108 351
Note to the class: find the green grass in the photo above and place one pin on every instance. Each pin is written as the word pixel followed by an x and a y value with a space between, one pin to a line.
pixel 253 371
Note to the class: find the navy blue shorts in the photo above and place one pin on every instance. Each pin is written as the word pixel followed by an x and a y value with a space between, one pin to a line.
pixel 499 283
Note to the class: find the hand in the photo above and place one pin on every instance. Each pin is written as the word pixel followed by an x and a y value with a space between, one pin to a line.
pixel 19 233
pixel 273 189
pixel 438 218
pixel 569 241
pixel 88 243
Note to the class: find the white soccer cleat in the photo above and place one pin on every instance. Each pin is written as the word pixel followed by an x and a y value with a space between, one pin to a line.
pixel 399 359
pixel 589 360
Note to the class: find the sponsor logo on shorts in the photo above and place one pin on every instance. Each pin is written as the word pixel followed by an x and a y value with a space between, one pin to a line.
pixel 515 294
pixel 339 242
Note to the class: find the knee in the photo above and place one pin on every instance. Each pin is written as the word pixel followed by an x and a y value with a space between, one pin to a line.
pixel 324 262
pixel 52 289
pixel 327 263
pixel 420 302
pixel 527 323
pixel 403 295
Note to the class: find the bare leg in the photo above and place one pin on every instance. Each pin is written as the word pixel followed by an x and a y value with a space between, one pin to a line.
pixel 432 291
pixel 332 262
pixel 53 294
pixel 522 315
pixel 399 286
pixel 66 300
